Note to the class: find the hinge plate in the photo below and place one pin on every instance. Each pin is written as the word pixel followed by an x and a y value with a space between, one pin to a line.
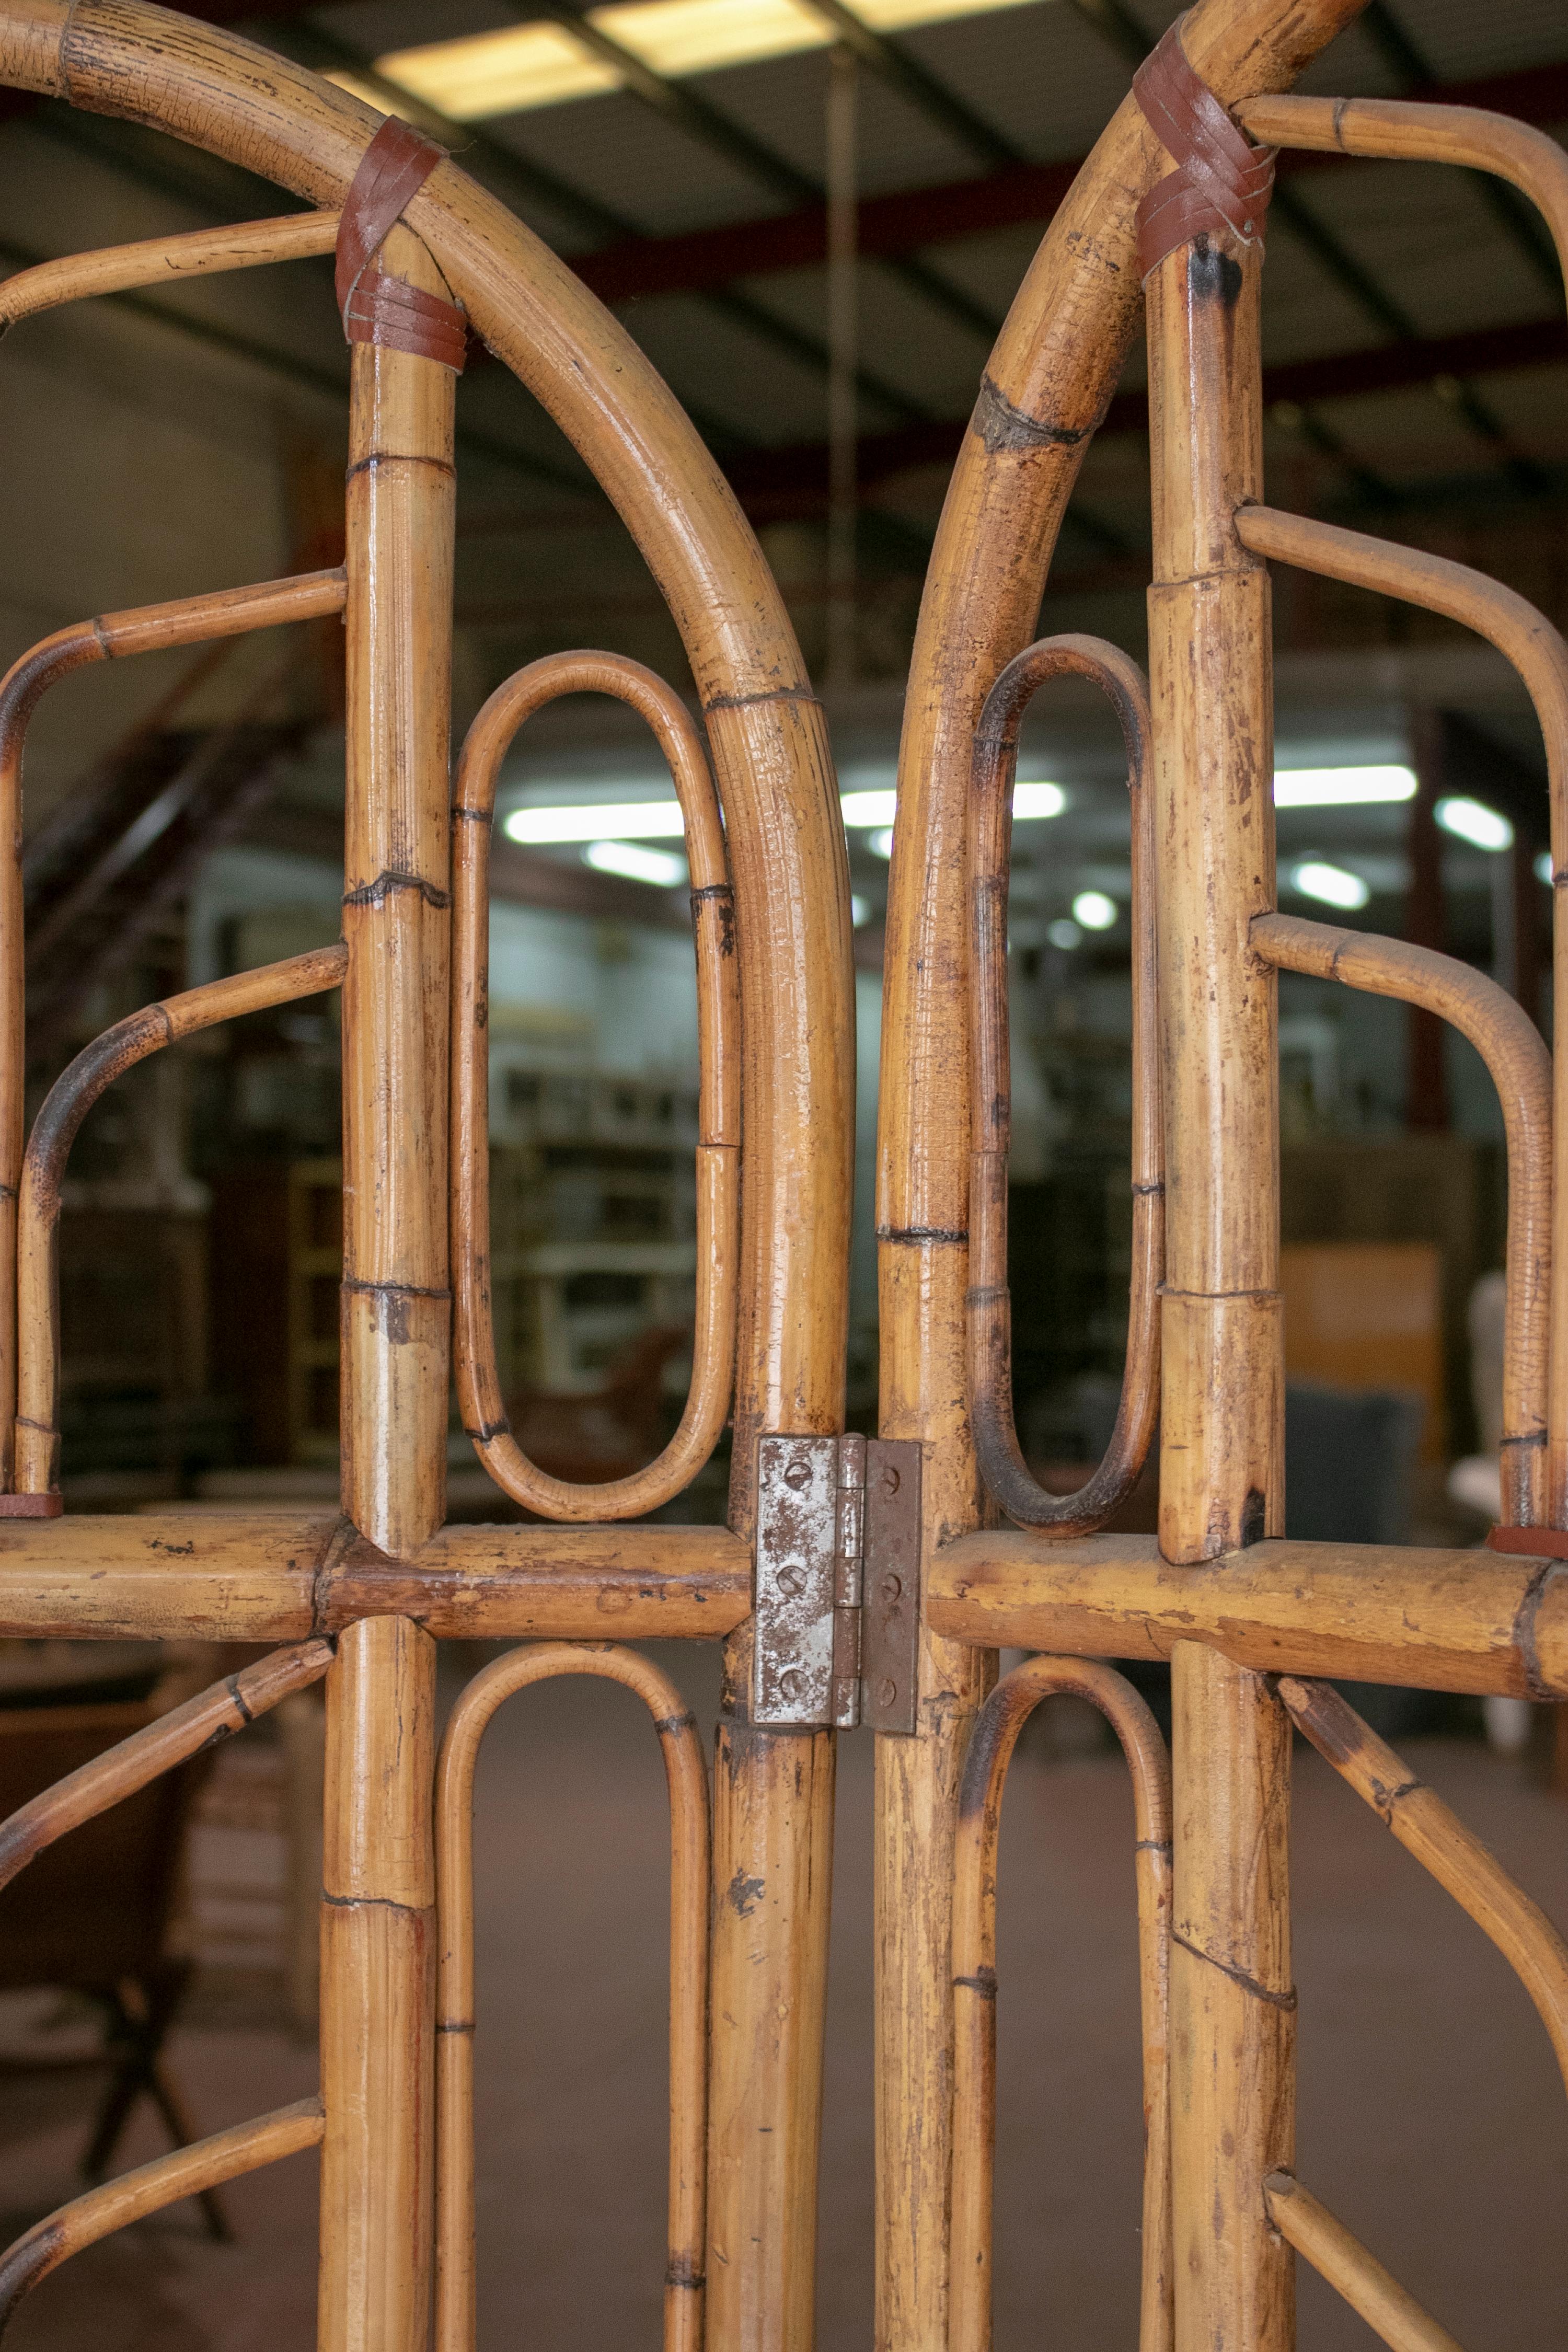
pixel 838 1582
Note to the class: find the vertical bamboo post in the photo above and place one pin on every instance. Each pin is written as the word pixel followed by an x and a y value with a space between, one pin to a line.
pixel 378 1881
pixel 1232 2007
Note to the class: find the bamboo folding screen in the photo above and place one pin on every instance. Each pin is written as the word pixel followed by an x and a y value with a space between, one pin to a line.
pixel 1173 203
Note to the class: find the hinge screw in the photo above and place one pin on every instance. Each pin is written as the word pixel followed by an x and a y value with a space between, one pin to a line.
pixel 887 1692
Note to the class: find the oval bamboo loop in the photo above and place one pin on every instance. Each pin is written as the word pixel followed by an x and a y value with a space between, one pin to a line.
pixel 1520 1068
pixel 187 2172
pixel 1355 2273
pixel 155 261
pixel 67 1104
pixel 687 1775
pixel 997 1730
pixel 718 1113
pixel 1440 1841
pixel 987 1303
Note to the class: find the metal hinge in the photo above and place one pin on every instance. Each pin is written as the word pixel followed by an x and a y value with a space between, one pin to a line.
pixel 838 1582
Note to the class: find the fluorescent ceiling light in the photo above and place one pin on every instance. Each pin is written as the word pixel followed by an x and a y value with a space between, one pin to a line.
pixel 543 64
pixel 1331 884
pixel 1472 821
pixel 877 809
pixel 860 910
pixel 1063 933
pixel 1341 787
pixel 1030 800
pixel 1543 868
pixel 1094 911
pixel 880 845
pixel 660 866
pixel 617 821
pixel 868 809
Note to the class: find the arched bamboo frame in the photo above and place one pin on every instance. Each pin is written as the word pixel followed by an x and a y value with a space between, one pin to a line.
pixel 987 1304
pixel 689 1841
pixel 997 1730
pixel 719 1114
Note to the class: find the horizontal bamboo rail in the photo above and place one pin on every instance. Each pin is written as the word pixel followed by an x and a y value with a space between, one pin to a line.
pixel 997 1730
pixel 1455 1856
pixel 112 636
pixel 286 1576
pixel 72 1096
pixel 162 261
pixel 187 2172
pixel 1521 1069
pixel 1408 130
pixel 687 1774
pixel 987 1303
pixel 718 1107
pixel 1353 2272
pixel 1374 1612
pixel 213 1714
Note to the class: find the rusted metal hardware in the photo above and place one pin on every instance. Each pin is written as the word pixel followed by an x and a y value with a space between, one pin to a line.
pixel 838 1582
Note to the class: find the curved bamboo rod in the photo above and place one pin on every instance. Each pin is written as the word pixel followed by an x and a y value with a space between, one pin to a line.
pixel 207 2164
pixel 719 1114
pixel 987 1303
pixel 149 628
pixel 688 1780
pixel 1538 652
pixel 1409 131
pixel 997 1730
pixel 55 1130
pixel 158 260
pixel 213 1714
pixel 1441 1843
pixel 1355 2273
pixel 1520 1068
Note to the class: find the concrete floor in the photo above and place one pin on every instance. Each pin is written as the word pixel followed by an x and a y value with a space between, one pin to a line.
pixel 1431 2116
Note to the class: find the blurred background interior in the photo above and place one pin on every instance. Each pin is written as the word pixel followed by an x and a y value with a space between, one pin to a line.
pixel 812 214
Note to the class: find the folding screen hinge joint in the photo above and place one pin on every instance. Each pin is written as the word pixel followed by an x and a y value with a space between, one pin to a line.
pixel 837 1583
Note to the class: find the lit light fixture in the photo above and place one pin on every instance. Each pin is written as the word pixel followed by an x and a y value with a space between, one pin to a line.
pixel 1094 911
pixel 1039 799
pixel 868 809
pixel 1063 933
pixel 1342 787
pixel 880 845
pixel 860 910
pixel 537 64
pixel 1332 885
pixel 1543 868
pixel 1472 821
pixel 662 867
pixel 620 821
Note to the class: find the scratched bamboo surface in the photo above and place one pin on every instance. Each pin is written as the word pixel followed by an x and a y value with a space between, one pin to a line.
pixel 1389 2309
pixel 1048 380
pixel 154 261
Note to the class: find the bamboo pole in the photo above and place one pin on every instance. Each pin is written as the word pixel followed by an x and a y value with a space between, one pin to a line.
pixel 1521 1069
pixel 377 1919
pixel 184 2172
pixel 1046 386
pixel 72 1096
pixel 1459 1620
pixel 1370 2290
pixel 158 260
pixel 687 1777
pixel 1232 2004
pixel 976 1987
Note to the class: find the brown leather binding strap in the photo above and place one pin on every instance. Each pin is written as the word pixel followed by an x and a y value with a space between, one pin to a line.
pixel 378 309
pixel 1223 183
pixel 1535 1543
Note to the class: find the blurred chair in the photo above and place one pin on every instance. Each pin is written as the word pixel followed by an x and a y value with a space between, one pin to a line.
pixel 94 1915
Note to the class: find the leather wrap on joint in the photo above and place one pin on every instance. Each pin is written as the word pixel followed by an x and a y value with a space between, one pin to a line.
pixel 1222 183
pixel 378 307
